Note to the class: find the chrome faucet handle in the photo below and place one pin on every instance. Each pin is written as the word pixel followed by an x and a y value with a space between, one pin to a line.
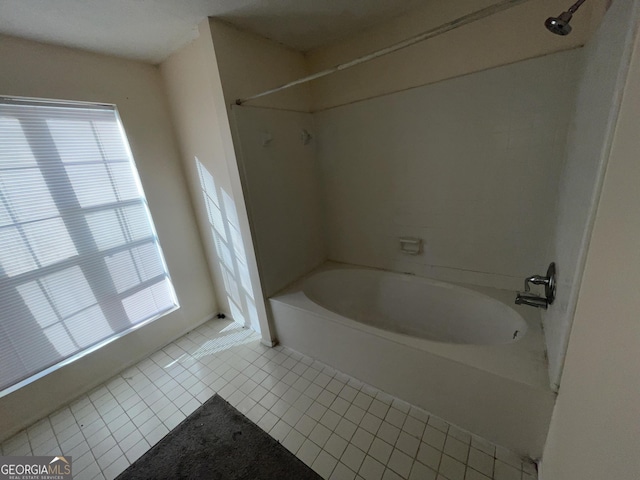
pixel 549 283
pixel 536 280
pixel 532 300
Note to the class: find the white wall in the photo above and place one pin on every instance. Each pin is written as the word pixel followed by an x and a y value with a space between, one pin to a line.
pixel 282 185
pixel 195 93
pixel 38 70
pixel 250 64
pixel 507 37
pixel 470 165
pixel 280 182
pixel 600 84
pixel 196 123
pixel 595 428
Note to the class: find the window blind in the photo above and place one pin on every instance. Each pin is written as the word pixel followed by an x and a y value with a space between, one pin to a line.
pixel 80 262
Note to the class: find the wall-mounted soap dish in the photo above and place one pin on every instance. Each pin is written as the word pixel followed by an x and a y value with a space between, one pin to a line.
pixel 410 245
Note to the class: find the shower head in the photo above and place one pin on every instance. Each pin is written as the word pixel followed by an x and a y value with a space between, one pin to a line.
pixel 560 24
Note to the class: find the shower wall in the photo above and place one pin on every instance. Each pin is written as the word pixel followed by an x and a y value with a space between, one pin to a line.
pixel 510 36
pixel 470 165
pixel 281 181
pixel 600 87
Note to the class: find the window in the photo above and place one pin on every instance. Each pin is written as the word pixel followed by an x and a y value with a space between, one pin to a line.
pixel 80 262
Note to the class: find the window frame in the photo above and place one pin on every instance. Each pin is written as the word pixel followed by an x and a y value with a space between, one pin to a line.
pixel 77 261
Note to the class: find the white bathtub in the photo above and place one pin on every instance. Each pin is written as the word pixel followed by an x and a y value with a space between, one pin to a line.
pixel 415 306
pixel 460 352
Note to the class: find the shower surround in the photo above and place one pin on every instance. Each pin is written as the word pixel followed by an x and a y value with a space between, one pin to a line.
pixel 468 165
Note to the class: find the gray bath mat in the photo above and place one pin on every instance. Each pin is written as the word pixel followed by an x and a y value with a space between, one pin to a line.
pixel 217 442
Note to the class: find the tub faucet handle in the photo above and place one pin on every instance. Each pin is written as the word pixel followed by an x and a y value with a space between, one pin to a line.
pixel 536 280
pixel 549 282
pixel 531 299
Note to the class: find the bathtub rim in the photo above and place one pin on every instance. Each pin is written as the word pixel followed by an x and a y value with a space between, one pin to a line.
pixel 523 361
pixel 464 290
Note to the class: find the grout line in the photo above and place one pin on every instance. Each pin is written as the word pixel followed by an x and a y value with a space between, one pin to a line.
pixel 235 368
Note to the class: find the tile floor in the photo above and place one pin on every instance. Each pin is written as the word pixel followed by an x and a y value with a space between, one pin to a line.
pixel 337 425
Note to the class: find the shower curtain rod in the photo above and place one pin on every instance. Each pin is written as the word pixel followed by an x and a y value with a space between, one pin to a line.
pixel 445 27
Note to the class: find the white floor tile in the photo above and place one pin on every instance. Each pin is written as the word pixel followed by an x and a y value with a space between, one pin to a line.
pixel 346 429
pixel 438 423
pixel 380 450
pixel 268 421
pixel 91 470
pixel 336 445
pixel 481 462
pixel 108 458
pixel 475 475
pixel 335 386
pixel 371 469
pixel 330 419
pixel 395 417
pixel 83 462
pixel 407 444
pixel 319 435
pixel 342 472
pixel 391 475
pixel 353 457
pixel 508 457
pixel 137 450
pixel 293 441
pixel 157 434
pixel 422 472
pixel 303 403
pixel 292 416
pixel 434 437
pixel 459 434
pixel 280 430
pixel 419 414
pixel 131 440
pixel 324 464
pixel 370 423
pixel 362 439
pixel 451 468
pixel 339 426
pixel 348 393
pixel 316 411
pixel 363 400
pixel 103 447
pixel 388 433
pixel 378 408
pixel 414 427
pixel 355 414
pixel 400 463
pixel 456 449
pixel 116 468
pixel 504 471
pixel 308 452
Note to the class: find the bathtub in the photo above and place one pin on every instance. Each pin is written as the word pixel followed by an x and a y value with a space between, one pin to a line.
pixel 419 307
pixel 461 352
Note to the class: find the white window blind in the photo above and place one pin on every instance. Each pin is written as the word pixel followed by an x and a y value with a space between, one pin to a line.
pixel 80 262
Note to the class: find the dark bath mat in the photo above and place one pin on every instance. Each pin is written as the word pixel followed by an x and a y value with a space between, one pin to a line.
pixel 216 442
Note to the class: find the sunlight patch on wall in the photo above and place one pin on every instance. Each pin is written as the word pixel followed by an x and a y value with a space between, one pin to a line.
pixel 223 221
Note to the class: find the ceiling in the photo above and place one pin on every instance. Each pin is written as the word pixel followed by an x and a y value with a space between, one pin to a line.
pixel 150 30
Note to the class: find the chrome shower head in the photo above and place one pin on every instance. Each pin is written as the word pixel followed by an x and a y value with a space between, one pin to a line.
pixel 560 24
